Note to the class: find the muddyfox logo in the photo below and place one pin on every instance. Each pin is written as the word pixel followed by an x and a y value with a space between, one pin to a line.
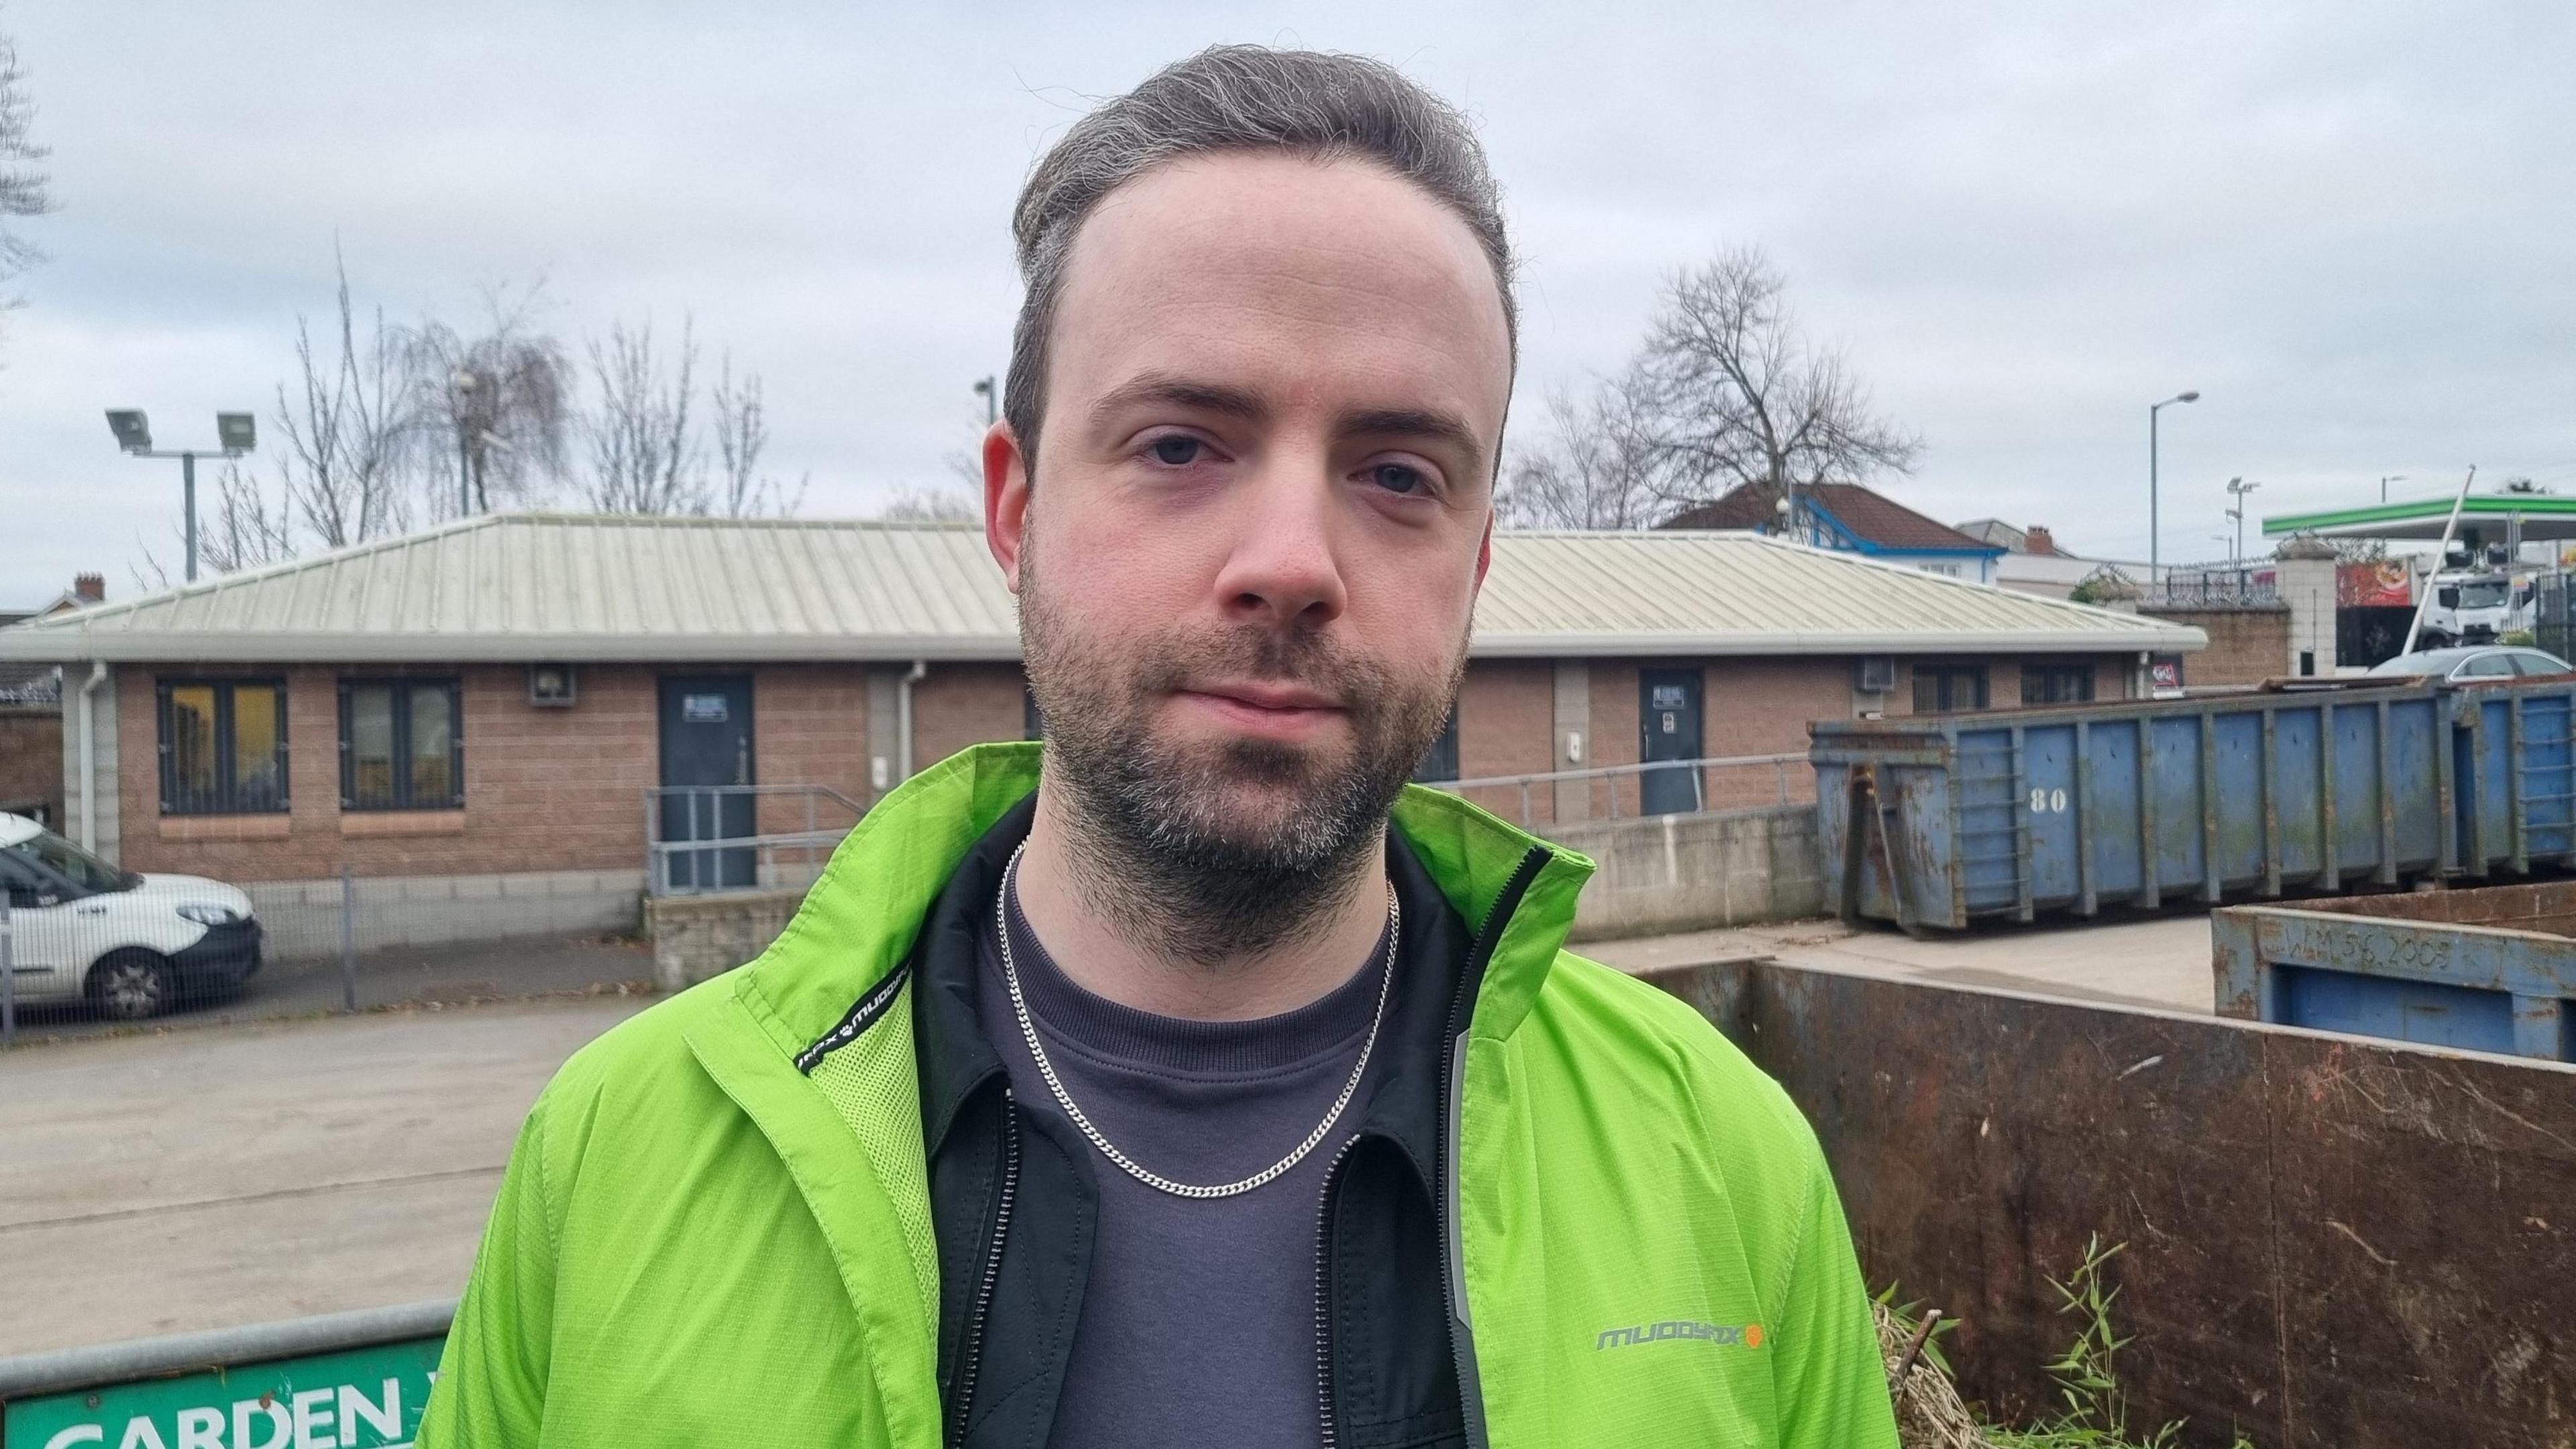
pixel 1749 1335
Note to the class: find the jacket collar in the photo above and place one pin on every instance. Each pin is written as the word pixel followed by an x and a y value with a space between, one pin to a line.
pixel 860 922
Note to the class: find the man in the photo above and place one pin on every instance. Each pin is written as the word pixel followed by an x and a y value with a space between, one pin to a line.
pixel 1166 1095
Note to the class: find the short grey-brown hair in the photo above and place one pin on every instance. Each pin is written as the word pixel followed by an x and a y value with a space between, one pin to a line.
pixel 1306 103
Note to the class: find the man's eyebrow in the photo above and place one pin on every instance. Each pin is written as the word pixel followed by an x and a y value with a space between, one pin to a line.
pixel 1418 423
pixel 1171 391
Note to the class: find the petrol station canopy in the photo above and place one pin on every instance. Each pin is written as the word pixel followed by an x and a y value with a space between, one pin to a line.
pixel 2495 517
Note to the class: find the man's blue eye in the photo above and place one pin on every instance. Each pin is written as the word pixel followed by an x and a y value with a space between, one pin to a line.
pixel 1397 477
pixel 1176 450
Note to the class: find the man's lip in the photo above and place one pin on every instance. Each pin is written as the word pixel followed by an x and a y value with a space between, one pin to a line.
pixel 1268 696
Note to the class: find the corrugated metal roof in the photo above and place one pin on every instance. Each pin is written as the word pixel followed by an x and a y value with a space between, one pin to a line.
pixel 551 586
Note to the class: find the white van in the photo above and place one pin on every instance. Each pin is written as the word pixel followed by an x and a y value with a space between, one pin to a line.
pixel 79 928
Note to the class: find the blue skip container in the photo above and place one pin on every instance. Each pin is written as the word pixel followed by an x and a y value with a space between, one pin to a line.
pixel 1939 820
pixel 2491 969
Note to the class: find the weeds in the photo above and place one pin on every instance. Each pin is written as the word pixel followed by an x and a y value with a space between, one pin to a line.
pixel 2095 1411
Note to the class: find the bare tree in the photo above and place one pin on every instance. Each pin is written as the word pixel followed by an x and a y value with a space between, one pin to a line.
pixel 347 432
pixel 22 187
pixel 247 530
pixel 1600 465
pixel 645 456
pixel 497 408
pixel 742 435
pixel 1725 393
pixel 1744 398
pixel 933 505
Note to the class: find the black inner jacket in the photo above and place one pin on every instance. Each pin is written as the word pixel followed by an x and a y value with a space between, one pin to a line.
pixel 1385 1355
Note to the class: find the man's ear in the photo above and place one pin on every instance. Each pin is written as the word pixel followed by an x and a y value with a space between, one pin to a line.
pixel 1485 550
pixel 1006 499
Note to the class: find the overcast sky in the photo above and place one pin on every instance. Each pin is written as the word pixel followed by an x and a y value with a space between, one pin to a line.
pixel 2349 224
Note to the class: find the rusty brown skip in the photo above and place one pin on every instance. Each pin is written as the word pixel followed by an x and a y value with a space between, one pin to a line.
pixel 2332 1241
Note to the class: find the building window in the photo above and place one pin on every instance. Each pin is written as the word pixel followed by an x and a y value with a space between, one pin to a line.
pixel 1949 688
pixel 402 744
pixel 1440 764
pixel 2056 684
pixel 223 746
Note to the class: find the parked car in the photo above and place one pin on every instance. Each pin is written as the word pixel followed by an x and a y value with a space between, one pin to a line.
pixel 2476 661
pixel 79 928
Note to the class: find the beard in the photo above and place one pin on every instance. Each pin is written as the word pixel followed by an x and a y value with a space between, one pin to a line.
pixel 1206 851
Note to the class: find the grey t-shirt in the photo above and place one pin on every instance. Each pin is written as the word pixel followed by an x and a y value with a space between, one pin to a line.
pixel 1198 1316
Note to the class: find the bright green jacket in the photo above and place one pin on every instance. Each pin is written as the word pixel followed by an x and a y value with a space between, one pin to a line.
pixel 696 1244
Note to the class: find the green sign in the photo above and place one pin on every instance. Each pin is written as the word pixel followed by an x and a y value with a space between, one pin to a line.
pixel 365 1398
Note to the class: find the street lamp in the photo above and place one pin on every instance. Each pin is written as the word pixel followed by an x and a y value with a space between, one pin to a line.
pixel 235 434
pixel 992 396
pixel 2238 488
pixel 2154 538
pixel 2385 480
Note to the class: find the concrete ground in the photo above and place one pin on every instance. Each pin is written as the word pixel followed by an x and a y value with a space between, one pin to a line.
pixel 256 1170
pixel 455 975
pixel 2159 961
pixel 240 1174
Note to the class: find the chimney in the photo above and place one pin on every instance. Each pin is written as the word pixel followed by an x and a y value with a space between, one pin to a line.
pixel 90 588
pixel 2035 539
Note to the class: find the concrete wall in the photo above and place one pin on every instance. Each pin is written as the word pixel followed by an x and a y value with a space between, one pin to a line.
pixel 31 761
pixel 302 919
pixel 1692 872
pixel 697 937
pixel 1657 874
pixel 2247 643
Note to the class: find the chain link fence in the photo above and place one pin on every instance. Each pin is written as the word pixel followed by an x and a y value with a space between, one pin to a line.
pixel 87 948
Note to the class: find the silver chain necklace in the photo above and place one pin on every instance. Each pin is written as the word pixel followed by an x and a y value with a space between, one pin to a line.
pixel 1108 1149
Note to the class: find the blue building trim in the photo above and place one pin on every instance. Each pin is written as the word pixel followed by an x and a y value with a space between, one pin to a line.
pixel 1842 537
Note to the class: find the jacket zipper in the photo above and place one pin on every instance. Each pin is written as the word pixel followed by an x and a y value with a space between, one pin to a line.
pixel 971 1351
pixel 1462 1352
pixel 1324 1296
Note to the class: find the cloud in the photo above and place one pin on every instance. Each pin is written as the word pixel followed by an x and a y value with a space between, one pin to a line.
pixel 2345 223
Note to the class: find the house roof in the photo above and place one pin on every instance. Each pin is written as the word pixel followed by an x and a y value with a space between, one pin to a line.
pixel 521 587
pixel 1871 518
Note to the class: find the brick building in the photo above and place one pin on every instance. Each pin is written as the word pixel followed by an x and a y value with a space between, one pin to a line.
pixel 485 706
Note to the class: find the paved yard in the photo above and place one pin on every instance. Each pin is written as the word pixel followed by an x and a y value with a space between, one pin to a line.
pixel 2160 961
pixel 159 1184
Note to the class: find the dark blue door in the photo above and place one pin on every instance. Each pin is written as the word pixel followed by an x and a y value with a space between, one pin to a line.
pixel 1668 721
pixel 706 775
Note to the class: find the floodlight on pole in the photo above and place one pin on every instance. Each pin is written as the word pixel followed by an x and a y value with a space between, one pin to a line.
pixel 235 433
pixel 2238 488
pixel 2154 538
pixel 987 387
pixel 2384 480
pixel 465 382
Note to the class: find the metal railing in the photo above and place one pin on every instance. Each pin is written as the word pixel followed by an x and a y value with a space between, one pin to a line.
pixel 1609 791
pixel 741 837
pixel 2217 585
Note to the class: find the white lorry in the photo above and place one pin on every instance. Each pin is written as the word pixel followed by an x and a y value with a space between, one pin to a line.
pixel 2474 607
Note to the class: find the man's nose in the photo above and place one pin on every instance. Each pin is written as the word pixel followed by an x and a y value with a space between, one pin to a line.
pixel 1283 569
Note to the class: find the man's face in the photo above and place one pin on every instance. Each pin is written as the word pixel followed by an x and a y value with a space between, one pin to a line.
pixel 1246 569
